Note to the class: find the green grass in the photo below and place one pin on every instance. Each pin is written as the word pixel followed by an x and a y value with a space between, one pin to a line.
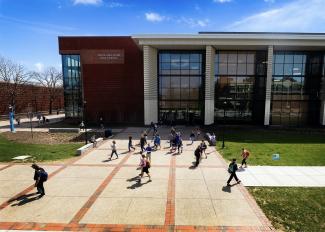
pixel 295 148
pixel 293 209
pixel 41 152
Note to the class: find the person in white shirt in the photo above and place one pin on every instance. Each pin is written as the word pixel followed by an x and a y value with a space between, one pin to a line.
pixel 113 146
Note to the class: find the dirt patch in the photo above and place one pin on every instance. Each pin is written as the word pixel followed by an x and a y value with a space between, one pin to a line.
pixel 47 138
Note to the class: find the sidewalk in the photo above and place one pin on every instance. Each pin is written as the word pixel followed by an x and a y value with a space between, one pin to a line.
pixel 4 123
pixel 283 176
pixel 93 193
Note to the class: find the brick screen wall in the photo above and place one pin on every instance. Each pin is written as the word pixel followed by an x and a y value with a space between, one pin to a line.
pixel 35 96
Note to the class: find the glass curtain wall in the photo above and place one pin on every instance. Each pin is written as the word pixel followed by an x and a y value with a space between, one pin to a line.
pixel 239 86
pixel 295 88
pixel 181 86
pixel 72 86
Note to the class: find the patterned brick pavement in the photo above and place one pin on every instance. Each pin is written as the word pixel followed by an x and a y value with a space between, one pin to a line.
pixel 185 191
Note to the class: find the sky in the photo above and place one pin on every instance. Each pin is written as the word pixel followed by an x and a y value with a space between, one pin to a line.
pixel 29 29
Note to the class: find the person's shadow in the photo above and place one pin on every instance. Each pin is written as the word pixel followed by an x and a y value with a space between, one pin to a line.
pixel 24 199
pixel 137 183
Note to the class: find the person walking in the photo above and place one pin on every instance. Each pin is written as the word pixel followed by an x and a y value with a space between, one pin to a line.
pixel 130 144
pixel 232 169
pixel 40 176
pixel 142 142
pixel 203 147
pixel 145 165
pixel 198 132
pixel 114 150
pixel 192 137
pixel 156 141
pixel 149 150
pixel 197 154
pixel 180 145
pixel 245 154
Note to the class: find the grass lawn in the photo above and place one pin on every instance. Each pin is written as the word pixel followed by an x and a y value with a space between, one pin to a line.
pixel 41 152
pixel 295 148
pixel 292 209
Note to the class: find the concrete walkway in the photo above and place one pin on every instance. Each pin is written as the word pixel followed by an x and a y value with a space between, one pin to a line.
pixel 92 193
pixel 24 122
pixel 282 176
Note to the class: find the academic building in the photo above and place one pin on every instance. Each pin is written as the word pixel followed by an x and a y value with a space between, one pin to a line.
pixel 205 78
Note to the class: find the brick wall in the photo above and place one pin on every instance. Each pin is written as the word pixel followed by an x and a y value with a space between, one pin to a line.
pixel 35 96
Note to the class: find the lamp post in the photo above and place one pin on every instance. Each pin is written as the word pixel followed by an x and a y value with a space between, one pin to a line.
pixel 224 124
pixel 84 120
pixel 11 118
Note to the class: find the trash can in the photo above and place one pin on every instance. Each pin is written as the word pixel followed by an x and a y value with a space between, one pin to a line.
pixel 108 133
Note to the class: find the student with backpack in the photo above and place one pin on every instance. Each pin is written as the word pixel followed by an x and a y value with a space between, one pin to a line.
pixel 145 165
pixel 40 176
pixel 232 170
pixel 245 154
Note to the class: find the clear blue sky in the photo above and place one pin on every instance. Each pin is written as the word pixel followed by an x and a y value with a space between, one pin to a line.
pixel 29 28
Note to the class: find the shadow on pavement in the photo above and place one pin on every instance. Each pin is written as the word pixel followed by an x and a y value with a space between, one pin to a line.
pixel 24 199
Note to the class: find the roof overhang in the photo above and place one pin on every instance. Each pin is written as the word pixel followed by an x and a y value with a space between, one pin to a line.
pixel 232 40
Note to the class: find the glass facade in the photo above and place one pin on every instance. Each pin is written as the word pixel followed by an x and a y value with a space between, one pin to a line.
pixel 295 88
pixel 72 86
pixel 240 86
pixel 181 86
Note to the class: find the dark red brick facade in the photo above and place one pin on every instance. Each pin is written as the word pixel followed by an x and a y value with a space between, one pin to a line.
pixel 113 91
pixel 30 95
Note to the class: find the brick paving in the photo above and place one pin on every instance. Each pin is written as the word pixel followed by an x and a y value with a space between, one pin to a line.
pixel 91 193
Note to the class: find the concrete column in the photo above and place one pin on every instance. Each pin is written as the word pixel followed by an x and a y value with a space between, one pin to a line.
pixel 150 85
pixel 268 86
pixel 209 86
pixel 322 102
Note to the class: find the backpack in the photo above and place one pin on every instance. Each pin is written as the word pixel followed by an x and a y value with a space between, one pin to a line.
pixel 43 175
pixel 231 168
pixel 148 165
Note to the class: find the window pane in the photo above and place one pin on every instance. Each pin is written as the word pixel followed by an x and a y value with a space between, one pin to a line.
pixel 241 69
pixel 242 58
pixel 278 69
pixel 288 58
pixel 232 57
pixel 288 68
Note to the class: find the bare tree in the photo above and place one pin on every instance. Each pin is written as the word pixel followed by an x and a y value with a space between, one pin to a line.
pixel 14 77
pixel 52 79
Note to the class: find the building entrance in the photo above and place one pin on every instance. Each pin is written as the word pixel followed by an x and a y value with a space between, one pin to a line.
pixel 181 92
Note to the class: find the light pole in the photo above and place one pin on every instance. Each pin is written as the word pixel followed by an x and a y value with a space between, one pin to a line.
pixel 84 120
pixel 11 118
pixel 224 124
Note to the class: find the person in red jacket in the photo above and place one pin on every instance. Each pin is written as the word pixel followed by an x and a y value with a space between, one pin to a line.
pixel 245 154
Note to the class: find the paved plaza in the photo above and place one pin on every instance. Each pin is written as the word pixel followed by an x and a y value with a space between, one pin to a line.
pixel 92 193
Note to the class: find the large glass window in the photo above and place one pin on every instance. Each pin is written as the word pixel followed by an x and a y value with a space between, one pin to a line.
pixel 237 73
pixel 72 85
pixel 295 88
pixel 181 76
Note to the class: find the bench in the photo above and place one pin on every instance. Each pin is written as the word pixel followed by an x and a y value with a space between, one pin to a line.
pixel 64 130
pixel 23 158
pixel 84 148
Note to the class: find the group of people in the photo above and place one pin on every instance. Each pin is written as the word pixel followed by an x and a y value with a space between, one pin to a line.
pixel 40 175
pixel 233 167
